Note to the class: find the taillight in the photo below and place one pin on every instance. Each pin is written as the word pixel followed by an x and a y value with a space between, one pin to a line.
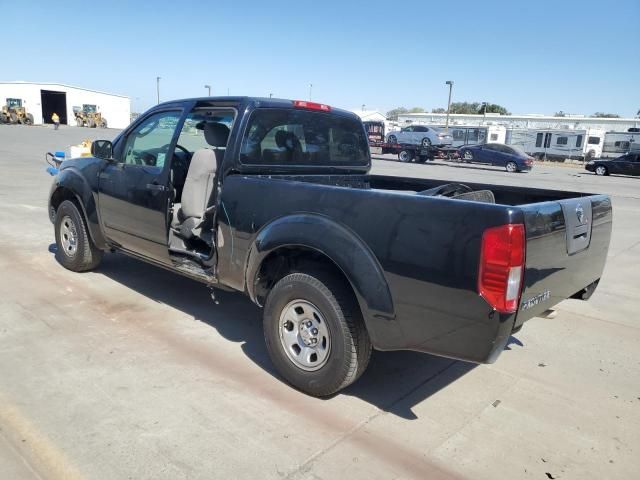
pixel 502 266
pixel 311 105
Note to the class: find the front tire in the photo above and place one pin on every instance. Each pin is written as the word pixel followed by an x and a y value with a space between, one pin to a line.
pixel 315 333
pixel 467 156
pixel 601 171
pixel 426 142
pixel 392 139
pixel 76 251
pixel 405 156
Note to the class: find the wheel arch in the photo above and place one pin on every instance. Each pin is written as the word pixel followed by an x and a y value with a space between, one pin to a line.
pixel 69 185
pixel 291 242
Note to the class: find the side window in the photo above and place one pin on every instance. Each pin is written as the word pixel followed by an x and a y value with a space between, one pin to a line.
pixel 578 141
pixel 148 144
pixel 622 144
pixel 539 139
pixel 593 141
pixel 562 140
pixel 192 137
pixel 494 137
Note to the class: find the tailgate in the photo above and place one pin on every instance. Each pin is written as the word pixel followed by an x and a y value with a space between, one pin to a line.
pixel 567 244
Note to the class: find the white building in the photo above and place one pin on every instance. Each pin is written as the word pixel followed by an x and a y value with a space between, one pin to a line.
pixel 523 121
pixel 370 115
pixel 42 99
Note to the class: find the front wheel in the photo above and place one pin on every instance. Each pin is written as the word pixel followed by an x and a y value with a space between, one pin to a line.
pixel 28 119
pixel 601 171
pixel 79 122
pixel 512 167
pixel 103 123
pixel 315 333
pixel 467 155
pixel 392 139
pixel 75 249
pixel 426 142
pixel 405 156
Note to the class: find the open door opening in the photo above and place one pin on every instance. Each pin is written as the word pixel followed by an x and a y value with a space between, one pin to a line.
pixel 54 102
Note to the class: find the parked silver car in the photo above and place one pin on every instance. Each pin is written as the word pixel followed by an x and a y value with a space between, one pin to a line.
pixel 420 135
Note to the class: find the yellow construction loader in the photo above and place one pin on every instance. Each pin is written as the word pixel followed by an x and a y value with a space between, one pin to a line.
pixel 14 112
pixel 88 116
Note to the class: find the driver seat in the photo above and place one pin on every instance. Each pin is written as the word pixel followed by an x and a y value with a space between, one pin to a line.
pixel 188 216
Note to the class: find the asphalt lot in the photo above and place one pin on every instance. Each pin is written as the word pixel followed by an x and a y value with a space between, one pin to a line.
pixel 133 372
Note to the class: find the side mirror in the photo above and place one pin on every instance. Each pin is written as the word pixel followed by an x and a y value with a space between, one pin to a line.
pixel 102 149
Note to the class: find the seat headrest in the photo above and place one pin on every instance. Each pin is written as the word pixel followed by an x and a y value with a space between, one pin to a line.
pixel 216 134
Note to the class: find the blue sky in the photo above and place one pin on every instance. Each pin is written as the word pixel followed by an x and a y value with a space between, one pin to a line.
pixel 531 57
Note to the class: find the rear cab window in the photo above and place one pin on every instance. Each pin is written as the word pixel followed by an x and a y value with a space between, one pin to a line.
pixel 290 137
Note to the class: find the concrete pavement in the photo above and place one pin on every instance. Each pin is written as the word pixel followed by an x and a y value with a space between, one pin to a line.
pixel 132 372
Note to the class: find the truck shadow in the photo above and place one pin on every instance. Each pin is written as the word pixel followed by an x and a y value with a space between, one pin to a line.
pixel 394 382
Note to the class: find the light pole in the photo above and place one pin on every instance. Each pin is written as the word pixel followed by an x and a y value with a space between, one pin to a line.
pixel 158 88
pixel 271 95
pixel 208 87
pixel 310 88
pixel 450 83
pixel 484 112
pixel 363 105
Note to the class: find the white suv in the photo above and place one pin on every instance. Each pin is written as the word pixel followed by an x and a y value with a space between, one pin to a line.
pixel 420 135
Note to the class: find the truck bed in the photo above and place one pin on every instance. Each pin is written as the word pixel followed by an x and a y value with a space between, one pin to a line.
pixel 428 249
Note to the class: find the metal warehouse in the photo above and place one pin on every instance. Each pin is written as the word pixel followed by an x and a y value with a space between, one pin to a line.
pixel 43 99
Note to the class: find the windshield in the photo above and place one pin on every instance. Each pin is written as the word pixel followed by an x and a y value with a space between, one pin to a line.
pixel 299 137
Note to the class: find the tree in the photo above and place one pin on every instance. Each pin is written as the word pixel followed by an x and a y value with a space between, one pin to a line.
pixel 492 108
pixel 393 114
pixel 605 115
pixel 560 114
pixel 471 108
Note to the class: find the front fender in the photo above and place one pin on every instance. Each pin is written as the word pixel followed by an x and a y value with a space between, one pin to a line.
pixel 346 250
pixel 72 180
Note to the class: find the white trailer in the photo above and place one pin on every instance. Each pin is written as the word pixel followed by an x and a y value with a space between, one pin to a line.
pixel 476 134
pixel 559 144
pixel 619 143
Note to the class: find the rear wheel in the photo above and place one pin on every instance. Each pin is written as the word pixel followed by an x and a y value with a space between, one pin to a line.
pixel 315 333
pixel 467 155
pixel 512 167
pixel 75 250
pixel 28 119
pixel 103 123
pixel 79 122
pixel 601 170
pixel 91 123
pixel 405 156
pixel 426 142
pixel 392 139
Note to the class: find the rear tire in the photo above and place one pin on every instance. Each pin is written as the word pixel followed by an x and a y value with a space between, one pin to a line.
pixel 467 156
pixel 76 251
pixel 28 119
pixel 426 142
pixel 512 167
pixel 79 122
pixel 325 301
pixel 392 139
pixel 103 123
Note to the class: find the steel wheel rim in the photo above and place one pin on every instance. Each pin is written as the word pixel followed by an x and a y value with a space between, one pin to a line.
pixel 304 335
pixel 68 236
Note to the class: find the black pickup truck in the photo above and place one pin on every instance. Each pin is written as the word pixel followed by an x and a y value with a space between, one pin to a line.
pixel 274 198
